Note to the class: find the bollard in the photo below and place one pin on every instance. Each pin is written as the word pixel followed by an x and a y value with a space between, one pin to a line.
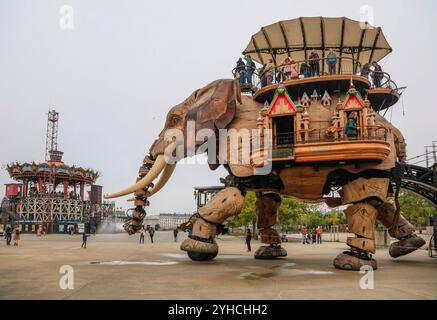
pixel 382 238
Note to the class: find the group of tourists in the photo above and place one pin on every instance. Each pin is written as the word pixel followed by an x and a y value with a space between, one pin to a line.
pixel 289 69
pixel 12 233
pixel 309 236
pixel 143 231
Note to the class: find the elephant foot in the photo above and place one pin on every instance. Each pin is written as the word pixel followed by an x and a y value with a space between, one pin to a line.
pixel 349 260
pixel 405 246
pixel 200 250
pixel 201 256
pixel 270 252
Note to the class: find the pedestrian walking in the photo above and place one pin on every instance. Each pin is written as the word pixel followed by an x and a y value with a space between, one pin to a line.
pixel 84 240
pixel 8 236
pixel 16 237
pixel 303 232
pixel 248 239
pixel 319 235
pixel 175 234
pixel 142 234
pixel 151 233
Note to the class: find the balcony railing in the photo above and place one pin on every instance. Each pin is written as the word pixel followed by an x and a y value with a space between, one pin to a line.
pixel 329 134
pixel 284 139
pixel 262 77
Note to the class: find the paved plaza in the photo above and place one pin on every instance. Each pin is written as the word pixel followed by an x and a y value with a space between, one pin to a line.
pixel 116 266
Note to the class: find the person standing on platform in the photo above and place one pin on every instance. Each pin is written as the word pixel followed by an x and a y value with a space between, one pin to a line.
pixel 269 72
pixel 241 71
pixel 377 74
pixel 314 59
pixel 331 60
pixel 250 68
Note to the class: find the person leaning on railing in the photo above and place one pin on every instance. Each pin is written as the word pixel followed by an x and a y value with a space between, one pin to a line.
pixel 314 63
pixel 305 70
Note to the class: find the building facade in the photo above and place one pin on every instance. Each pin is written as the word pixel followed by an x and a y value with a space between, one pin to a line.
pixel 169 221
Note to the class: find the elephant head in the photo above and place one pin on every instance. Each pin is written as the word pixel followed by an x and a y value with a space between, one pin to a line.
pixel 211 107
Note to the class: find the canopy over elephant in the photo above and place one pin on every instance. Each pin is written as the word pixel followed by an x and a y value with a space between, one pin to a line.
pixel 238 132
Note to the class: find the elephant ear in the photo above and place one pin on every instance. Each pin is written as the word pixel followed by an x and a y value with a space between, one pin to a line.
pixel 216 108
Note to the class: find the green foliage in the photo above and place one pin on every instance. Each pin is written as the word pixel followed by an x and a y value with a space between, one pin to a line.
pixel 292 214
pixel 247 216
pixel 415 208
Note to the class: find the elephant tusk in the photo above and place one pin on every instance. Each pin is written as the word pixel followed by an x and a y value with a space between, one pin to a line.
pixel 165 176
pixel 163 179
pixel 145 181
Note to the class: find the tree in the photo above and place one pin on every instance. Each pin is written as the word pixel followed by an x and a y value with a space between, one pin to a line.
pixel 415 208
pixel 292 212
pixel 248 215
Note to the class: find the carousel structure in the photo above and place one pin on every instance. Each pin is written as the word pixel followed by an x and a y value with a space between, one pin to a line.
pixel 53 194
pixel 312 91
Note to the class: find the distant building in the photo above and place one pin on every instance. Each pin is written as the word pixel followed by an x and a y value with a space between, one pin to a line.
pixel 168 221
pixel 151 220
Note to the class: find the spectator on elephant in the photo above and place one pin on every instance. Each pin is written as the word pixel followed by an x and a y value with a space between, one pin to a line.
pixel 314 63
pixel 331 60
pixel 241 71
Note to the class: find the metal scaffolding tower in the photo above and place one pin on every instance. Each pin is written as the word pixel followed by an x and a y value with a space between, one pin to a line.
pixel 52 153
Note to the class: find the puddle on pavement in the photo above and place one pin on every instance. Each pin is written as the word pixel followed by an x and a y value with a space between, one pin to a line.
pixel 257 275
pixel 282 270
pixel 220 256
pixel 174 255
pixel 302 272
pixel 284 265
pixel 123 263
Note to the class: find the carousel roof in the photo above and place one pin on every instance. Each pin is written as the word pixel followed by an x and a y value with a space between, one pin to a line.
pixel 50 169
pixel 296 38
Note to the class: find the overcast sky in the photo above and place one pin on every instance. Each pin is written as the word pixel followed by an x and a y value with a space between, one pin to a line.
pixel 115 75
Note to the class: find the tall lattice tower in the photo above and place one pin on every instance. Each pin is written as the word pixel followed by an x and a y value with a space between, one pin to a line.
pixel 52 152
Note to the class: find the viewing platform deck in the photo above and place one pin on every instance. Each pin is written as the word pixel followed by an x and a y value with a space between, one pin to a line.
pixel 377 86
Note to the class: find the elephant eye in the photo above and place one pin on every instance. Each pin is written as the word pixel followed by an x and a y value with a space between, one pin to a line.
pixel 174 120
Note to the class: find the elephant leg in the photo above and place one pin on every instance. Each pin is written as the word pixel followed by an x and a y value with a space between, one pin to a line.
pixel 365 195
pixel 201 244
pixel 400 229
pixel 361 219
pixel 267 207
